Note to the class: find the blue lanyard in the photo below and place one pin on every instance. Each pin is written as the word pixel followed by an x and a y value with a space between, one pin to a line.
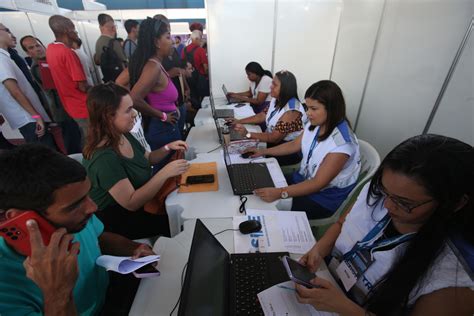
pixel 291 104
pixel 272 115
pixel 313 145
pixel 370 244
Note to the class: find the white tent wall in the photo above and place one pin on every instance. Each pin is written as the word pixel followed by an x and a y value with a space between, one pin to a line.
pixel 455 116
pixel 239 31
pixel 417 43
pixel 357 33
pixel 306 48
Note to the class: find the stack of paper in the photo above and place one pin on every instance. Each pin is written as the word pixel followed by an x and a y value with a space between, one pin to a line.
pixel 125 265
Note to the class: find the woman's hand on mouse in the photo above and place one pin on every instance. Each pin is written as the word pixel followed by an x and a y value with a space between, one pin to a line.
pixel 268 194
pixel 239 128
pixel 255 152
pixel 231 121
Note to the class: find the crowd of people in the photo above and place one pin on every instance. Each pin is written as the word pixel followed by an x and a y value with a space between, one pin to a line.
pixel 406 226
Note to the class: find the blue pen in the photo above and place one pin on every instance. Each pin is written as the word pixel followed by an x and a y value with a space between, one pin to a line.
pixel 286 288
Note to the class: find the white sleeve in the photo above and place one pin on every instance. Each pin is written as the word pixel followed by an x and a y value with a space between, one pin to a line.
pixel 264 85
pixel 347 148
pixel 6 70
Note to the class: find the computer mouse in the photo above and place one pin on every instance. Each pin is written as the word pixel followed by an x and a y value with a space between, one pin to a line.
pixel 246 155
pixel 250 226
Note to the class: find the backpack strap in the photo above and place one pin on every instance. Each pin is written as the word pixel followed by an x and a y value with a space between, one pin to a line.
pixel 189 56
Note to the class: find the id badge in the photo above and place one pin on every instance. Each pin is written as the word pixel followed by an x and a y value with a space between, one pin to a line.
pixel 353 267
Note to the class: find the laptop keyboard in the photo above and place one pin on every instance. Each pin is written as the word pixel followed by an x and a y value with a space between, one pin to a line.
pixel 250 279
pixel 243 178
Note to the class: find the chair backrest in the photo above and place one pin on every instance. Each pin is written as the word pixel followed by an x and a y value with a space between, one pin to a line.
pixel 77 157
pixel 137 132
pixel 370 161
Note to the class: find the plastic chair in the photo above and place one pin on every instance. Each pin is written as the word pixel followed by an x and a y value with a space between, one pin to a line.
pixel 138 133
pixel 77 157
pixel 370 161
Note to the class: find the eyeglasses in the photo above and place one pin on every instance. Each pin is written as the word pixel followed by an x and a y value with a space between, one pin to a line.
pixel 406 206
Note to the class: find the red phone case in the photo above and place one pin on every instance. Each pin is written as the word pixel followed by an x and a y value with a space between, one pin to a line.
pixel 15 232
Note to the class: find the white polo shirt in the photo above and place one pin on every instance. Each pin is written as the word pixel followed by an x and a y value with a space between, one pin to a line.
pixel 263 86
pixel 12 111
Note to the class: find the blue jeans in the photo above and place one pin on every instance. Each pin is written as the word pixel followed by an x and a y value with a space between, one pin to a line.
pixel 159 134
pixel 28 133
pixel 182 118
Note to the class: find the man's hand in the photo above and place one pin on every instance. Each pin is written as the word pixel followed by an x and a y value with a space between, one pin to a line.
pixel 143 250
pixel 53 268
pixel 40 127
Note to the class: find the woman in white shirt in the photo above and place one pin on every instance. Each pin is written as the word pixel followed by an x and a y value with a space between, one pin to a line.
pixel 331 160
pixel 409 227
pixel 258 94
pixel 284 118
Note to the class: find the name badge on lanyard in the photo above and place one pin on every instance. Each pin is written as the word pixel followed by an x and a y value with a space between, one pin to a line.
pixel 307 173
pixel 360 257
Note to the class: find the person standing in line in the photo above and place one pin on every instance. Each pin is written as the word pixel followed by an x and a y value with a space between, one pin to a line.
pixel 71 134
pixel 130 44
pixel 19 103
pixel 67 72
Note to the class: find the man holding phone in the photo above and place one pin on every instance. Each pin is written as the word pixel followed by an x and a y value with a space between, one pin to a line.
pixel 60 278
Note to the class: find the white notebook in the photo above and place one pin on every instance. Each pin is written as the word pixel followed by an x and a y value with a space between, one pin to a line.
pixel 125 265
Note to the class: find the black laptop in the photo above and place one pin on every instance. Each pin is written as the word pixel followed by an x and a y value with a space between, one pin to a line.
pixel 229 99
pixel 220 113
pixel 219 283
pixel 246 177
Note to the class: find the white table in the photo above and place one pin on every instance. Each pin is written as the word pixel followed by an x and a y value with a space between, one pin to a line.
pixel 203 139
pixel 222 203
pixel 157 296
pixel 204 115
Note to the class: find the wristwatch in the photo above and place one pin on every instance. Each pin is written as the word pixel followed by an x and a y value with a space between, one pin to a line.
pixel 284 194
pixel 248 135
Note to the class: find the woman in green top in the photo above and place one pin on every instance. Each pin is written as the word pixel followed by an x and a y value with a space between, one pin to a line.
pixel 120 169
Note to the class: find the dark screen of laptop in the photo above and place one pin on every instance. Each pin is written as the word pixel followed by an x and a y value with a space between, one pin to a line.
pixel 206 284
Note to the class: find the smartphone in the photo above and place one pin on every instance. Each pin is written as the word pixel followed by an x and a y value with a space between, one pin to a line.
pixel 239 105
pixel 297 272
pixel 146 271
pixel 205 178
pixel 15 232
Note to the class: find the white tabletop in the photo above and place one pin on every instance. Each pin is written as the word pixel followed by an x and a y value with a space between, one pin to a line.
pixel 157 296
pixel 221 203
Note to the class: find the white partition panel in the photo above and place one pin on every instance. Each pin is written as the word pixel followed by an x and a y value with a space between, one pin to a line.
pixel 41 28
pixel 455 115
pixel 417 44
pixel 306 33
pixel 355 44
pixel 19 25
pixel 239 31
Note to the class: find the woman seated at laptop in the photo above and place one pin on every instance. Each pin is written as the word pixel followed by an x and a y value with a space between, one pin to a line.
pixel 331 160
pixel 258 94
pixel 284 117
pixel 404 220
pixel 119 167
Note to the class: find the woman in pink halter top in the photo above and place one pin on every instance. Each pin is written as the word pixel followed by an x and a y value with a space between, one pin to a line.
pixel 153 92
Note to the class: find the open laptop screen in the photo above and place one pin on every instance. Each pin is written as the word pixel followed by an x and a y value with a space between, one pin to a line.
pixel 205 289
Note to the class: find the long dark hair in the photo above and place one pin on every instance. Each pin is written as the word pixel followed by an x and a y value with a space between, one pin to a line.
pixel 103 101
pixel 330 95
pixel 445 168
pixel 288 88
pixel 150 29
pixel 257 69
